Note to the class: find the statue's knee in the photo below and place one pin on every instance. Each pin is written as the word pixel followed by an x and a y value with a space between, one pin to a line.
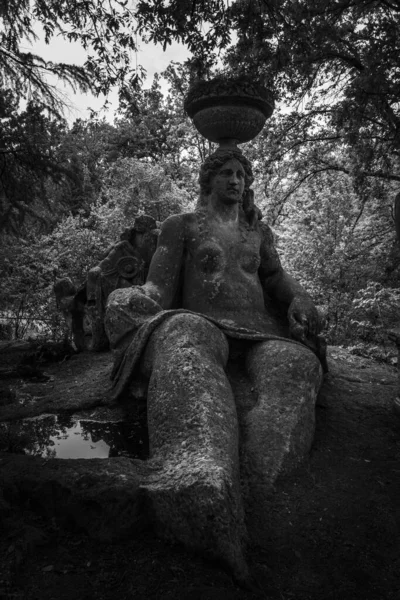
pixel 281 357
pixel 305 363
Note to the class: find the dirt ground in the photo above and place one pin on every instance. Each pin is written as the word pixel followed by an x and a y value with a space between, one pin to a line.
pixel 332 533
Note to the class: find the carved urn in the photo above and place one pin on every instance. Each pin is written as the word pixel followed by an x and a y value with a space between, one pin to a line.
pixel 229 111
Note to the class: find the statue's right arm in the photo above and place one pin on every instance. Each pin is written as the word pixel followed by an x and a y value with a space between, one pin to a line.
pixel 165 267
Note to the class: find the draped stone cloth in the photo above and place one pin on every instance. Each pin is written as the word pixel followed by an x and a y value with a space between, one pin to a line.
pixel 131 343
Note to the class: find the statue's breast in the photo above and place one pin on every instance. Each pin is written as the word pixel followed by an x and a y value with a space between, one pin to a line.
pixel 209 258
pixel 250 262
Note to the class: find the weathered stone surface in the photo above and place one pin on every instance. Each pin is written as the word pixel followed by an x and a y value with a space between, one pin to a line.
pixel 279 430
pixel 193 434
pixel 82 382
pixel 127 310
pixel 103 497
pixel 331 502
pixel 330 525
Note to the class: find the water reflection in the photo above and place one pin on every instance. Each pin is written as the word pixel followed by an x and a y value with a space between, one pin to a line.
pixel 61 436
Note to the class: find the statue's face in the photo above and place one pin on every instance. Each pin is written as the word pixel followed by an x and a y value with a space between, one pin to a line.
pixel 228 183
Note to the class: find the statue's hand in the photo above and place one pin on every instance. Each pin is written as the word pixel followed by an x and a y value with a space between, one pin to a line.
pixel 304 319
pixel 148 297
pixel 127 310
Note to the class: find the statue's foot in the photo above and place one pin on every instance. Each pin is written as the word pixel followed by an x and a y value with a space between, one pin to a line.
pixel 197 505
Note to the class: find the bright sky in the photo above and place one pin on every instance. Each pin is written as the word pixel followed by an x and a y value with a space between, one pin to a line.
pixel 151 57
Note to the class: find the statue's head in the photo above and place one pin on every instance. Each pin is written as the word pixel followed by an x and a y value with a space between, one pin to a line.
pixel 213 164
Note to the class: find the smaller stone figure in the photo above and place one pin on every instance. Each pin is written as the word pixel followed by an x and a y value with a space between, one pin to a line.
pixel 71 303
pixel 126 263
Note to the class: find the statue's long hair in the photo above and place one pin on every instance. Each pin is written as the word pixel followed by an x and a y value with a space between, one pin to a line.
pixel 212 165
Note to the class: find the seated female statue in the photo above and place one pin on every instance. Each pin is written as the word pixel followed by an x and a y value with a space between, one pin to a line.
pixel 219 265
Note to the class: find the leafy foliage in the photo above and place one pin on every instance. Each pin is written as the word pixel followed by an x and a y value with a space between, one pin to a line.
pixel 28 159
pixel 130 188
pixel 375 310
pixel 203 26
pixel 86 150
pixel 334 65
pixel 27 275
pixel 104 27
pixel 155 128
pixel 337 65
pixel 339 245
pixel 30 265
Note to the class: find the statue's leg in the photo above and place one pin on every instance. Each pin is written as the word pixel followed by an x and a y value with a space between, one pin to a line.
pixel 279 430
pixel 195 491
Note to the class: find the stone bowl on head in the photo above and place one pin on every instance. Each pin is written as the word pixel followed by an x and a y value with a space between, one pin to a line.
pixel 229 111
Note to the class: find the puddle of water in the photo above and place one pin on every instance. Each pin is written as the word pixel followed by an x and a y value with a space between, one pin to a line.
pixel 61 436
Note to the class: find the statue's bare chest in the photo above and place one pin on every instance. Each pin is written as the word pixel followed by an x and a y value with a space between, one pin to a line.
pixel 217 249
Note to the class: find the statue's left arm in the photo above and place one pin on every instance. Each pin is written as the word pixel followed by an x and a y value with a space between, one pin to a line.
pixel 302 314
pixel 129 308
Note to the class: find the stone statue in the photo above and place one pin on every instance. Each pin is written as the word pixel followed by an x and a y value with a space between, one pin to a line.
pixel 125 263
pixel 215 285
pixel 72 306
